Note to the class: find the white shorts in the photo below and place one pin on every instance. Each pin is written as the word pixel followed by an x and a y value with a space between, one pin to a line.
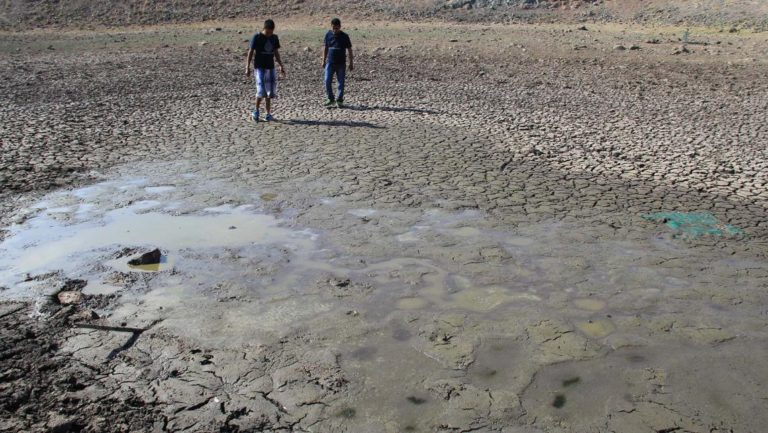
pixel 266 82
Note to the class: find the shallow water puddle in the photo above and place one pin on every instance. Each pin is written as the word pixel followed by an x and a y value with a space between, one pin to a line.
pixel 589 304
pixel 45 242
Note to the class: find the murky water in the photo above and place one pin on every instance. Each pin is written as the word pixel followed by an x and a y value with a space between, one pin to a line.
pixel 440 296
pixel 78 238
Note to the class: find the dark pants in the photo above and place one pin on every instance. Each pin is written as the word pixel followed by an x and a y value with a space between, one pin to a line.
pixel 340 70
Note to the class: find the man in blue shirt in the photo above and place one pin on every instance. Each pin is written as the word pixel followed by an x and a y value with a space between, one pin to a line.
pixel 337 43
pixel 262 54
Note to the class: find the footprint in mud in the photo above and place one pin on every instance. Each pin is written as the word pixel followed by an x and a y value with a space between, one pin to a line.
pixel 411 303
pixel 347 413
pixel 597 328
pixel 402 334
pixel 268 196
pixel 364 353
pixel 416 400
pixel 487 373
pixel 571 381
pixel 589 304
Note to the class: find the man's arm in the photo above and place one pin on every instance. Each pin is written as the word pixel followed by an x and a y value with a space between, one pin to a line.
pixel 250 61
pixel 279 61
pixel 351 60
pixel 325 55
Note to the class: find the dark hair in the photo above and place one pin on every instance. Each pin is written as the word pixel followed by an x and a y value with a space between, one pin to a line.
pixel 269 25
pixel 336 22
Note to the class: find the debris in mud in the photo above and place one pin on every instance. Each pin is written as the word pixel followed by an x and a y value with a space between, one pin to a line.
pixel 69 297
pixel 124 252
pixel 441 341
pixel 74 285
pixel 70 292
pixel 339 282
pixel 151 258
pixel 694 224
pixel 84 316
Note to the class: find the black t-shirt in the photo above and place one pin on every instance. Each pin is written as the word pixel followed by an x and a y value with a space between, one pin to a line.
pixel 337 47
pixel 265 50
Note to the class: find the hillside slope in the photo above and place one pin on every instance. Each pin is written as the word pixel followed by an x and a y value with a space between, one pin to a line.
pixel 25 14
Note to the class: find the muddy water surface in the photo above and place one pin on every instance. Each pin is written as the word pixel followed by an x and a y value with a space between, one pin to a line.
pixel 436 318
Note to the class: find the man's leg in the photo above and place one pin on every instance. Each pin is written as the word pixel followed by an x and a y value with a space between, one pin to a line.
pixel 269 106
pixel 329 81
pixel 341 75
pixel 258 76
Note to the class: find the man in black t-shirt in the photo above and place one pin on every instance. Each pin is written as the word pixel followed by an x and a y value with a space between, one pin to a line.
pixel 262 53
pixel 337 43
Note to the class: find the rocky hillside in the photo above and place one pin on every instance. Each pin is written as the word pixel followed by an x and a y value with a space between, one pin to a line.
pixel 25 14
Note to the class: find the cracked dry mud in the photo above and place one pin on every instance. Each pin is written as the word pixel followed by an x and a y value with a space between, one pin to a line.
pixel 415 263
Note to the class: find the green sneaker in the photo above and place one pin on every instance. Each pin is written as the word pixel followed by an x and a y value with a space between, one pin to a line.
pixel 330 103
pixel 340 104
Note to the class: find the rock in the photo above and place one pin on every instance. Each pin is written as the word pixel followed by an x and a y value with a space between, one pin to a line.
pixel 58 423
pixel 733 30
pixel 681 50
pixel 69 297
pixel 307 49
pixel 150 258
pixel 203 43
pixel 634 47
pixel 619 47
pixel 583 28
pixel 653 41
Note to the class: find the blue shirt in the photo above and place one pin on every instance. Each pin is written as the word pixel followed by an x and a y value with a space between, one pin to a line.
pixel 337 47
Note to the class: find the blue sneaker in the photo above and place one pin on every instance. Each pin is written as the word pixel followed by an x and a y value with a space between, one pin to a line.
pixel 255 115
pixel 269 118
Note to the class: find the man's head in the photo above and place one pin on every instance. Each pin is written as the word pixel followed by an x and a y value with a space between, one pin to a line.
pixel 336 25
pixel 269 27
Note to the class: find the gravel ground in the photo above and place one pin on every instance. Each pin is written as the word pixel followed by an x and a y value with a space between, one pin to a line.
pixel 552 131
pixel 726 14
